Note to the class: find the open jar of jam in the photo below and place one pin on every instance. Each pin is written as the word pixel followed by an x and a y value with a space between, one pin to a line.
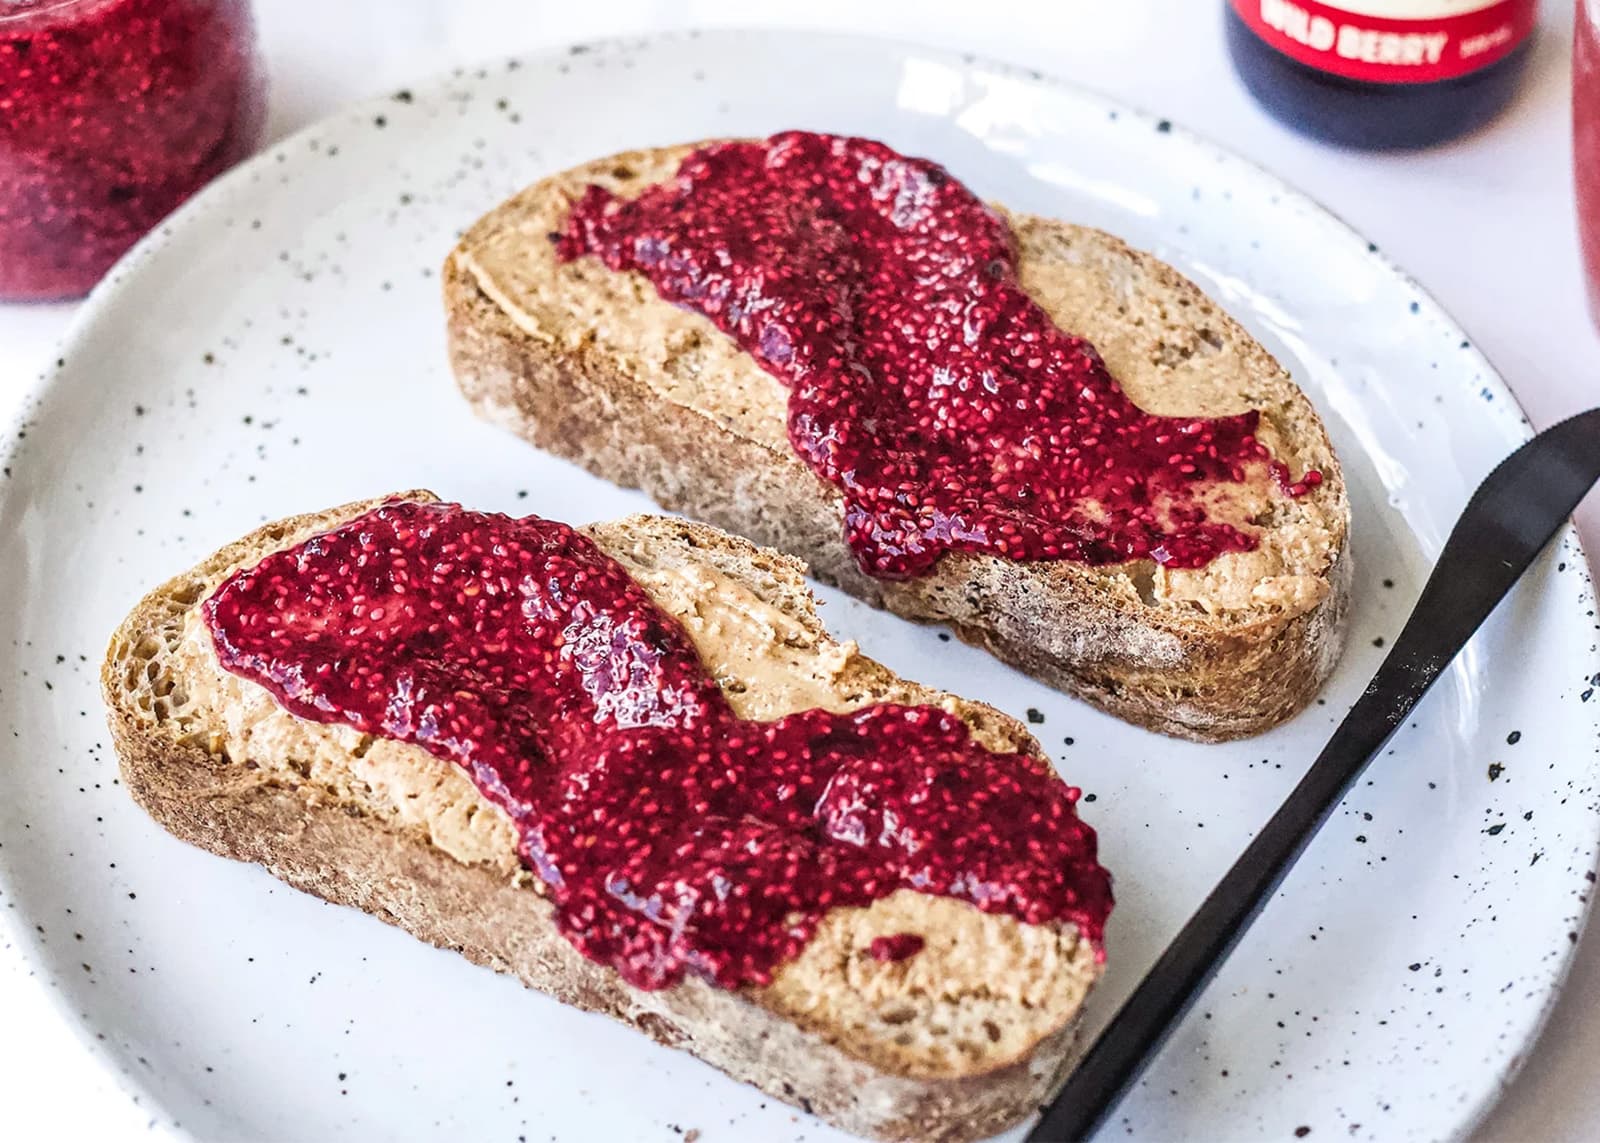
pixel 112 112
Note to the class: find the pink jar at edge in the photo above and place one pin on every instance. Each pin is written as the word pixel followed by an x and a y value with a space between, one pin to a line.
pixel 1586 141
pixel 112 112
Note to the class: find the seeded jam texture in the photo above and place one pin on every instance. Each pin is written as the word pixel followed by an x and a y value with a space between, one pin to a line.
pixel 924 383
pixel 113 112
pixel 896 947
pixel 672 835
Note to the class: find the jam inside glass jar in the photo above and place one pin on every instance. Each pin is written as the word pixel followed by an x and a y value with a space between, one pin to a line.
pixel 1586 141
pixel 112 112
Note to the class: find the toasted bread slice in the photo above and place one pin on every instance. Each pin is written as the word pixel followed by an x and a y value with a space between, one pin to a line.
pixel 957 1042
pixel 592 365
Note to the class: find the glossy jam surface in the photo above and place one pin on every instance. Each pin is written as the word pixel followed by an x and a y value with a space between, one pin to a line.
pixel 924 382
pixel 672 835
pixel 112 112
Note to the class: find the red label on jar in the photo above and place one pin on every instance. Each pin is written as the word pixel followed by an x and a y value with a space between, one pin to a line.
pixel 1392 41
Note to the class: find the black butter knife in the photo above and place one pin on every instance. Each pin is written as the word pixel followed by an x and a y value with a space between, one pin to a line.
pixel 1508 521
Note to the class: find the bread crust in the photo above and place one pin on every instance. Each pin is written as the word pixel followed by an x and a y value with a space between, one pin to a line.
pixel 237 809
pixel 1200 673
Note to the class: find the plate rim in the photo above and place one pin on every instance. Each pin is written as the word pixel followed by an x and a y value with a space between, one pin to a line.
pixel 1504 409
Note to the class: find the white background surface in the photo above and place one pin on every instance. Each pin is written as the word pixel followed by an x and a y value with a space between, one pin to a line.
pixel 1485 224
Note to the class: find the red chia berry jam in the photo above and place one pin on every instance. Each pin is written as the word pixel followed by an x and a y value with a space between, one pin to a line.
pixel 897 946
pixel 112 112
pixel 672 835
pixel 924 383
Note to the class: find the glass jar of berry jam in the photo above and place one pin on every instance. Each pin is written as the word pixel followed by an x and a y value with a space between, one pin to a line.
pixel 1586 141
pixel 1381 73
pixel 112 112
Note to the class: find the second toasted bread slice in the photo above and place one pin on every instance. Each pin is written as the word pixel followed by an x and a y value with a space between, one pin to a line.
pixel 594 366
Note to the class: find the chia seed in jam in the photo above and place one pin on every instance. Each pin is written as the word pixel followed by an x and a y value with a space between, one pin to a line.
pixel 671 835
pixel 924 383
pixel 896 947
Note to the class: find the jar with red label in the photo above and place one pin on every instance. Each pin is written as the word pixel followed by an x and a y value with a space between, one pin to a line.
pixel 112 112
pixel 1381 73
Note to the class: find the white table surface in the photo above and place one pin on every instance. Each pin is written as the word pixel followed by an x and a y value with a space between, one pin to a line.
pixel 1485 224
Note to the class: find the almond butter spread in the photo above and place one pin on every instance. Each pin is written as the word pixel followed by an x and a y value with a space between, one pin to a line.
pixel 925 384
pixel 676 828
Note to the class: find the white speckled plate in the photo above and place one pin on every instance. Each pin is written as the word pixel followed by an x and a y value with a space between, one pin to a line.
pixel 278 347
